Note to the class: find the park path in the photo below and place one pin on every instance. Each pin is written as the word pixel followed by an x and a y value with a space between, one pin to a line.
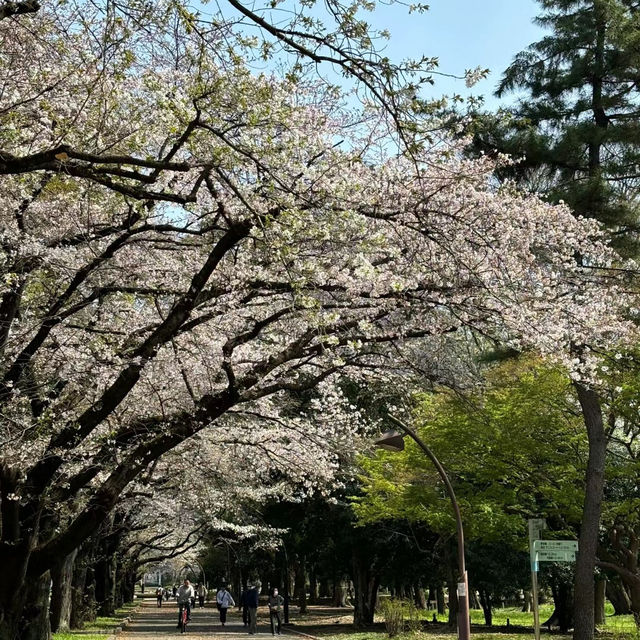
pixel 151 621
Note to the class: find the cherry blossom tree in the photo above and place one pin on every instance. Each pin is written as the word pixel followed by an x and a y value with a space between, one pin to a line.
pixel 187 244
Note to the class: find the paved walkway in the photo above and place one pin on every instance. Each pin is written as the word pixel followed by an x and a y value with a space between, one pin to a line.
pixel 152 621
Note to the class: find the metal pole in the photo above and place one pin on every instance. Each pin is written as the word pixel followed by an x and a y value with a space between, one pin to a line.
pixel 464 625
pixel 534 594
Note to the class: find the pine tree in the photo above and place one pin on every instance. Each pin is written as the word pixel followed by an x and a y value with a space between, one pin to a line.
pixel 576 128
pixel 576 124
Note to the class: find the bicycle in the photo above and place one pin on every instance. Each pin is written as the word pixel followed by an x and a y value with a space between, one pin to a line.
pixel 184 618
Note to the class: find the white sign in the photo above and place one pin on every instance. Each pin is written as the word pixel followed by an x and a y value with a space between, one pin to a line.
pixel 555 545
pixel 536 525
pixel 462 589
pixel 554 551
pixel 555 556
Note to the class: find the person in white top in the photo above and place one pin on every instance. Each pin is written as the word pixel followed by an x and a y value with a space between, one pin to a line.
pixel 201 592
pixel 184 595
pixel 224 600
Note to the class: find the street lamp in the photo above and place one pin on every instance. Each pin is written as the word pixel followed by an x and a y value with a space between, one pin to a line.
pixel 394 441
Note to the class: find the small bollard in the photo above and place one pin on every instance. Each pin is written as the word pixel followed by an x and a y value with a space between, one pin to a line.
pixel 508 623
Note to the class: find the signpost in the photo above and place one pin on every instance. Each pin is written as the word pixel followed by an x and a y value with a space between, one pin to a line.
pixel 555 550
pixel 535 527
pixel 545 551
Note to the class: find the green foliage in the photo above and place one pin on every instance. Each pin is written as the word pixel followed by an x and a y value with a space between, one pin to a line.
pixel 576 129
pixel 396 613
pixel 513 450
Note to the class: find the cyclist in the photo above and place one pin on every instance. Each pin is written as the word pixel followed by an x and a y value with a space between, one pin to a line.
pixel 185 593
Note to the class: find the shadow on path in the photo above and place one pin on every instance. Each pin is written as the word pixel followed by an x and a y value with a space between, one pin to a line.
pixel 160 622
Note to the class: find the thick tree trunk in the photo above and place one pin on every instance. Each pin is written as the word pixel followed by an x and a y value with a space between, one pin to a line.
pixel 12 590
pixel 78 583
pixel 366 585
pixel 563 600
pixel 440 599
pixel 584 598
pixel 600 595
pixel 419 596
pixel 453 602
pixel 300 587
pixel 83 604
pixel 618 597
pixel 634 593
pixel 339 593
pixel 105 571
pixel 35 615
pixel 452 585
pixel 15 550
pixel 474 603
pixel 313 585
pixel 485 603
pixel 61 577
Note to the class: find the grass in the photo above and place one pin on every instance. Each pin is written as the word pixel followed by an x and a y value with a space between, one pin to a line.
pixel 615 627
pixel 102 625
pixel 436 635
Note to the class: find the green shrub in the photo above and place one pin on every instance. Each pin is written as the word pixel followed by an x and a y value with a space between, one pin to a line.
pixel 399 614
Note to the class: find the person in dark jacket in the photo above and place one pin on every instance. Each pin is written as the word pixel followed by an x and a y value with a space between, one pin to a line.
pixel 243 605
pixel 252 608
pixel 275 605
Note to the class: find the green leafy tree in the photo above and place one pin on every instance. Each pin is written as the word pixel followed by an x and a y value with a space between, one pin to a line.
pixel 513 449
pixel 576 132
pixel 576 127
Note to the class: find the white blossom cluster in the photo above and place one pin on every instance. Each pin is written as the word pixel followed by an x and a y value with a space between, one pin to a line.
pixel 277 246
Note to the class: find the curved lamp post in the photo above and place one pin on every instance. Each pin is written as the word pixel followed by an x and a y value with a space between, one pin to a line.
pixel 394 441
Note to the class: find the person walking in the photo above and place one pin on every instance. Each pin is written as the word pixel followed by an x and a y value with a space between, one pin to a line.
pixel 243 606
pixel 159 595
pixel 224 600
pixel 275 605
pixel 252 608
pixel 202 594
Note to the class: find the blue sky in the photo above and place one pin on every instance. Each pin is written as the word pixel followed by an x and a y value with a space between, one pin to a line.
pixel 463 34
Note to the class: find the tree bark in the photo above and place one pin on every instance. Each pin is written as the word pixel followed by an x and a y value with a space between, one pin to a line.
pixel 600 595
pixel 419 596
pixel 324 588
pixel 60 608
pixel 452 586
pixel 300 588
pixel 562 613
pixel 339 593
pixel 365 583
pixel 35 621
pixel 618 597
pixel 313 585
pixel 584 597
pixel 634 593
pixel 440 599
pixel 487 609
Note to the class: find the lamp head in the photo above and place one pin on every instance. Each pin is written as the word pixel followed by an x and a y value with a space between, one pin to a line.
pixel 391 441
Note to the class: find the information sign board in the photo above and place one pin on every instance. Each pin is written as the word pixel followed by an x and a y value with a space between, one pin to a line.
pixel 554 551
pixel 555 545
